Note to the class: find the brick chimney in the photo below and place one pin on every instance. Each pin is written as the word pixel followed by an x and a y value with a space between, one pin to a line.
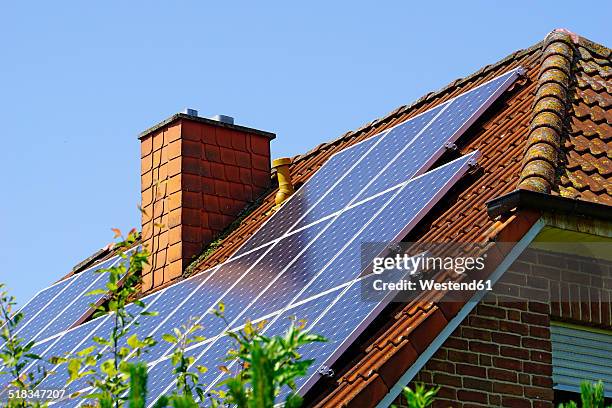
pixel 197 174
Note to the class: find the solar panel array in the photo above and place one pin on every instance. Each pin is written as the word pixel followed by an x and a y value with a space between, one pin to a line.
pixel 306 259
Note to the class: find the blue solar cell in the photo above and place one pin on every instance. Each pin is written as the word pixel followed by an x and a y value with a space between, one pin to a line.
pixel 69 343
pixel 166 306
pixel 306 197
pixel 402 212
pixel 62 303
pixel 203 300
pixel 254 283
pixel 41 300
pixel 304 313
pixel 370 167
pixel 446 128
pixel 315 257
pixel 340 324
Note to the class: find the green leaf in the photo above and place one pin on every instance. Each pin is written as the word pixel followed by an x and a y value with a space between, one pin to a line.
pixel 170 338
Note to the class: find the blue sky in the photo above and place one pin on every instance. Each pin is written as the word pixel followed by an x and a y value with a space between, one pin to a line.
pixel 79 80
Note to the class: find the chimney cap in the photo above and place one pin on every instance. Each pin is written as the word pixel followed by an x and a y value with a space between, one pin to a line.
pixel 190 112
pixel 224 119
pixel 179 116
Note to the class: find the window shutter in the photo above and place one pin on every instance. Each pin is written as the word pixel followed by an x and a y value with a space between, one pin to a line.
pixel 580 353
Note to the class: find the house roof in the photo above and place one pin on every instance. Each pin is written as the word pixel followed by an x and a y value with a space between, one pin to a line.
pixel 551 132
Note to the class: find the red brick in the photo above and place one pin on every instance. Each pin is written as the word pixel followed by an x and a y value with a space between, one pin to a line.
pixel 485 360
pixel 260 178
pixel 232 174
pixel 539 344
pixel 212 153
pixel 222 188
pixel 474 396
pixel 225 136
pixel 471 333
pixel 243 159
pixel 462 357
pixel 543 404
pixel 477 384
pixel 502 375
pixel 260 145
pixel 540 332
pixel 546 394
pixel 535 318
pixel 445 379
pixel 191 149
pixel 211 203
pixel 228 156
pixel 514 402
pixel 537 368
pixel 506 338
pixel 456 343
pixel 514 352
pixel 260 162
pixel 507 363
pixel 483 323
pixel 444 366
pixel 487 348
pixel 491 311
pixel 512 327
pixel 471 370
pixel 541 381
pixel 524 379
pixel 239 141
pixel 507 388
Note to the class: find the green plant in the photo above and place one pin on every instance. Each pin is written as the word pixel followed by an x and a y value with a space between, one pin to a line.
pixel 591 396
pixel 188 385
pixel 420 397
pixel 267 364
pixel 104 365
pixel 16 354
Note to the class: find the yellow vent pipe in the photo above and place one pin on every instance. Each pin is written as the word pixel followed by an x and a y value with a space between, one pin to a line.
pixel 283 175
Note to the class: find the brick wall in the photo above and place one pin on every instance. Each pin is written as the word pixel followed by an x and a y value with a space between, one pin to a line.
pixel 197 175
pixel 501 354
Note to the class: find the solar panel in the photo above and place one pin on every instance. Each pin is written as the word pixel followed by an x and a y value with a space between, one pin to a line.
pixel 249 285
pixel 57 307
pixel 307 258
pixel 385 160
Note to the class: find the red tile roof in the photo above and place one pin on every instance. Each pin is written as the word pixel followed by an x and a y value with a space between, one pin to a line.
pixel 551 132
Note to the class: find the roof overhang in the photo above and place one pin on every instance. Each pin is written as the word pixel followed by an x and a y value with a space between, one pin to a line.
pixel 527 199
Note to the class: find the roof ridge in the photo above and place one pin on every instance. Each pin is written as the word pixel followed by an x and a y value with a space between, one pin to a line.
pixel 549 112
pixel 422 100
